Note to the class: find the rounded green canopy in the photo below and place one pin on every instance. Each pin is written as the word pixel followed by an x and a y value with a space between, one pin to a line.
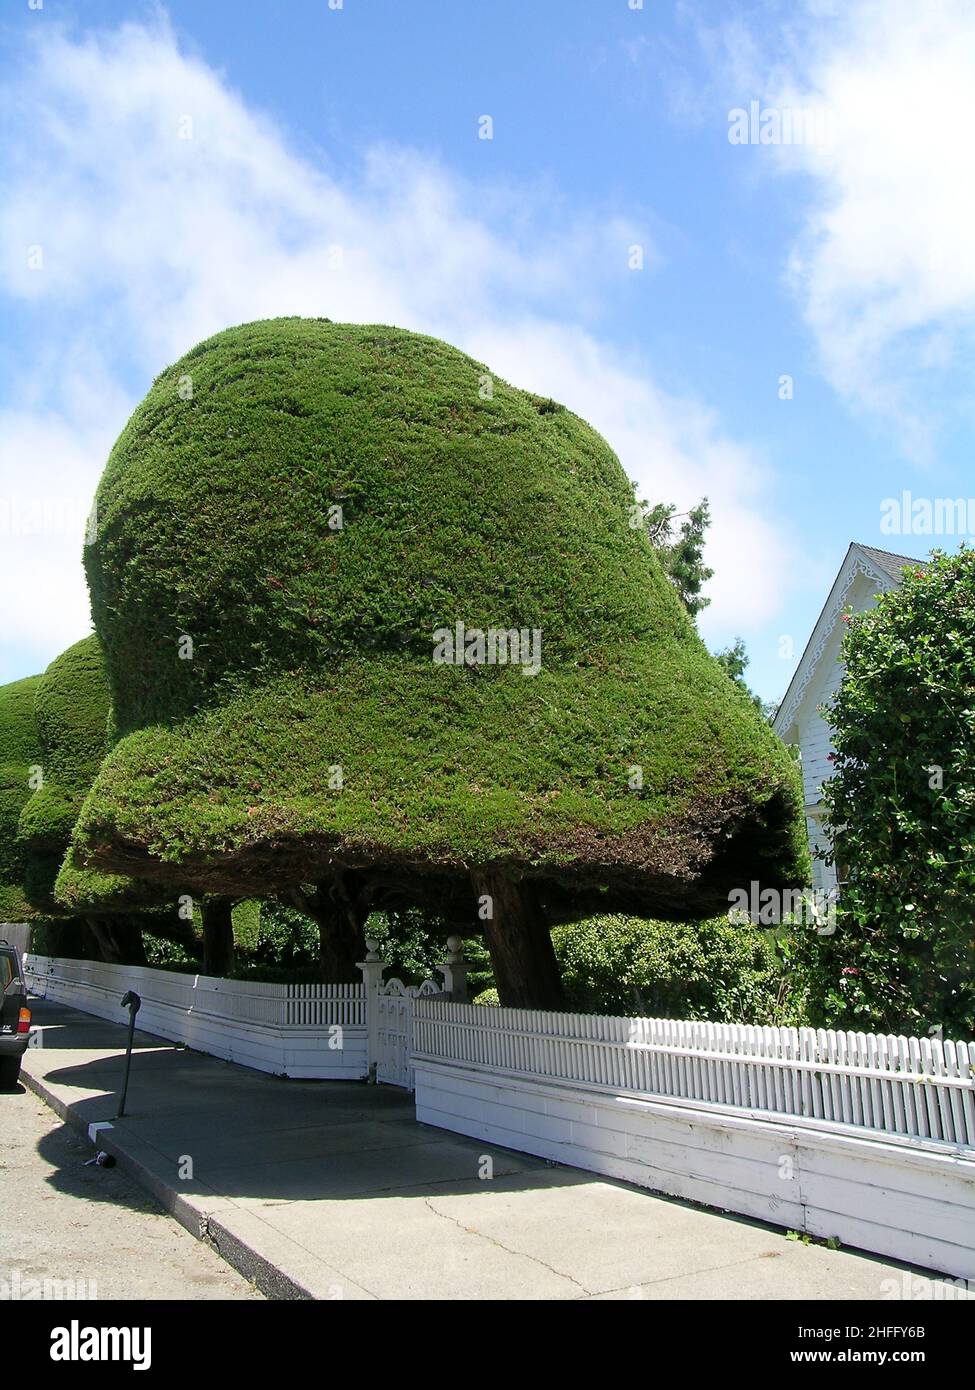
pixel 364 605
pixel 71 711
pixel 19 758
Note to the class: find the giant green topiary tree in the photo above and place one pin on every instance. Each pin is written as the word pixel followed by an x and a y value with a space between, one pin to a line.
pixel 21 776
pixel 287 528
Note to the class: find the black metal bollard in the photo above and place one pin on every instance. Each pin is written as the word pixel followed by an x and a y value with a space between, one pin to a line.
pixel 130 1001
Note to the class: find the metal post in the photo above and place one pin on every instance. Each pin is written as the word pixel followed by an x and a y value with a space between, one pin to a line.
pixel 130 1001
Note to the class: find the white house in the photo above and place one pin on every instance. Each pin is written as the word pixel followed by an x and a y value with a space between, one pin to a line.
pixel 863 575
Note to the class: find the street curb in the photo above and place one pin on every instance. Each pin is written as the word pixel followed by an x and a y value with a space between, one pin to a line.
pixel 203 1224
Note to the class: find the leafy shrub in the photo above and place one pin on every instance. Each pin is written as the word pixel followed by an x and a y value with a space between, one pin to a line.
pixel 164 954
pixel 413 943
pixel 699 970
pixel 287 939
pixel 902 957
pixel 246 918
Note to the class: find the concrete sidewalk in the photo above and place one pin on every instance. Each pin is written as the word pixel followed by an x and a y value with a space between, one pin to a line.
pixel 333 1190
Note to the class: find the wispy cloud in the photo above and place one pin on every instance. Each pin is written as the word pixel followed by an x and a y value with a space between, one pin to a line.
pixel 883 265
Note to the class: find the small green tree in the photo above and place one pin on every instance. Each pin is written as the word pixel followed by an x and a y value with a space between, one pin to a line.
pixel 680 549
pixel 901 807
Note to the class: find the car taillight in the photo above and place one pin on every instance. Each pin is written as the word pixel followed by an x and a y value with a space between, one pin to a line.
pixel 23 1023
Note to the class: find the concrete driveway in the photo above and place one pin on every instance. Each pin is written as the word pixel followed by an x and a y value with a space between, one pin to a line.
pixel 332 1190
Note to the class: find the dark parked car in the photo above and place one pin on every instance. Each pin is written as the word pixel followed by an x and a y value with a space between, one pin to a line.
pixel 14 1015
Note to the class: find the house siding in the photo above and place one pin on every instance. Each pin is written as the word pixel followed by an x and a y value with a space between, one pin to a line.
pixel 812 732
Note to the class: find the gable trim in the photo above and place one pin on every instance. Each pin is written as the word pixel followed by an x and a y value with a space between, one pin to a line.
pixel 855 564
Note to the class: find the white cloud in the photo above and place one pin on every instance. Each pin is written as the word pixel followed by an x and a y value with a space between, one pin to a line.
pixel 884 264
pixel 152 242
pixel 50 463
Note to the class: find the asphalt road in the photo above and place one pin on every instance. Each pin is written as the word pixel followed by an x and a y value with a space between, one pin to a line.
pixel 91 1231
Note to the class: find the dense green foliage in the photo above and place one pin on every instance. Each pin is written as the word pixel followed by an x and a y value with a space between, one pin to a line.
pixel 71 709
pixel 680 550
pixel 902 957
pixel 286 946
pixel 163 953
pixel 312 643
pixel 19 752
pixel 611 965
pixel 413 944
pixel 698 970
pixel 246 919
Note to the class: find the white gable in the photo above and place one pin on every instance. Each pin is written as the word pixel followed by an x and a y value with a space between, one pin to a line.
pixel 863 575
pixel 856 586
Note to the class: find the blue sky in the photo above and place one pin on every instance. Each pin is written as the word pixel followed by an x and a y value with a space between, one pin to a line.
pixel 166 171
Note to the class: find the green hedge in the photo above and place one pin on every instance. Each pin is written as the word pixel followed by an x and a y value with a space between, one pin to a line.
pixel 19 751
pixel 699 970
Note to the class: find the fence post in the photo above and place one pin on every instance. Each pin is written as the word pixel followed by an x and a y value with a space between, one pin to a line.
pixel 454 971
pixel 372 977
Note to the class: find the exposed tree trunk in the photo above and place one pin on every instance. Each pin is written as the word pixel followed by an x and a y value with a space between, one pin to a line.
pixel 340 943
pixel 218 936
pixel 340 916
pixel 119 942
pixel 338 949
pixel 520 943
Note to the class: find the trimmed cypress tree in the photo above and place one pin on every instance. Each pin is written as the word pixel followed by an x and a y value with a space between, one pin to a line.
pixel 19 753
pixel 290 529
pixel 71 712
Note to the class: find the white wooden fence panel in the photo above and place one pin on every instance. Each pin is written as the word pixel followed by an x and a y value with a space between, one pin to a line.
pixel 869 1139
pixel 921 1087
pixel 298 1030
pixel 894 1195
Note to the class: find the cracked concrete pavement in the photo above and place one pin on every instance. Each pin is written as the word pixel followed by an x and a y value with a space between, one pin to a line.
pixel 332 1190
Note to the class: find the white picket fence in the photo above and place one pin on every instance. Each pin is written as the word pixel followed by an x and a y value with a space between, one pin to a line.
pixel 868 1139
pixel 913 1086
pixel 298 1030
